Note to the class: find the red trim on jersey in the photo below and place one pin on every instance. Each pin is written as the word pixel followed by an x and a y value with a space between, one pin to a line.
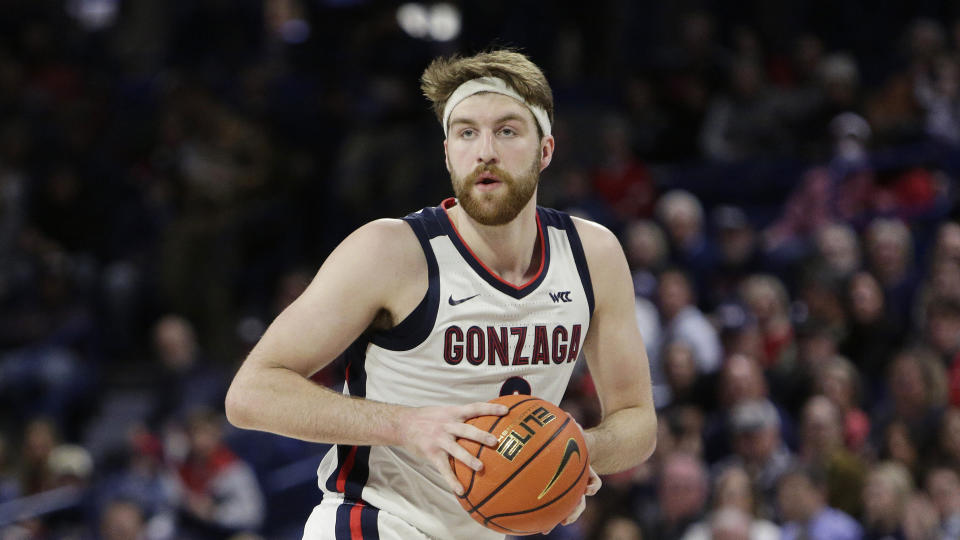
pixel 356 529
pixel 345 469
pixel 451 202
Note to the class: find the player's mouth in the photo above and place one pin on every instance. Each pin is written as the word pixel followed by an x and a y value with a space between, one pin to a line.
pixel 487 181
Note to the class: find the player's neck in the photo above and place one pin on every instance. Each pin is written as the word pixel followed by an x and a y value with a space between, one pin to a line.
pixel 511 250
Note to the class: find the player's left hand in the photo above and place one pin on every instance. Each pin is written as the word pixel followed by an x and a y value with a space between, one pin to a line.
pixel 593 485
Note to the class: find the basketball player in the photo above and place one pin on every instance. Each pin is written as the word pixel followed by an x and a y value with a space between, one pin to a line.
pixel 485 295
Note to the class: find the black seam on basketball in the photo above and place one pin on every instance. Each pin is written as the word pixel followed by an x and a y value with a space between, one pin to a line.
pixel 522 467
pixel 544 505
pixel 473 473
pixel 487 520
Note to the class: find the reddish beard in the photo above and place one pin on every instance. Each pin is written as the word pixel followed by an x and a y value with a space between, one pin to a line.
pixel 501 206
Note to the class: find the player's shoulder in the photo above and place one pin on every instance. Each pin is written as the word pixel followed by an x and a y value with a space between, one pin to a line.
pixel 384 230
pixel 390 243
pixel 598 241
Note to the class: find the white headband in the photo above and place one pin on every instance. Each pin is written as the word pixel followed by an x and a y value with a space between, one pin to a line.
pixel 497 86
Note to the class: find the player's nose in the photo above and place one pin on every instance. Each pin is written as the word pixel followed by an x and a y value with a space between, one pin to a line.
pixel 487 152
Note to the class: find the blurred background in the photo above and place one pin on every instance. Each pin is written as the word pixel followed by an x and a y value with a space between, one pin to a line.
pixel 783 177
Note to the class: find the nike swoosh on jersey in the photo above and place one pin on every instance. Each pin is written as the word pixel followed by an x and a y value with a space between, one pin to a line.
pixel 460 301
pixel 572 448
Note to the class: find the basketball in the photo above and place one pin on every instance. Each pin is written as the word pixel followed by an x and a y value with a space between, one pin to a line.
pixel 535 476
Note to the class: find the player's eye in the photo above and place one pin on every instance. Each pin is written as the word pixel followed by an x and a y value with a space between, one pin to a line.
pixel 508 131
pixel 467 133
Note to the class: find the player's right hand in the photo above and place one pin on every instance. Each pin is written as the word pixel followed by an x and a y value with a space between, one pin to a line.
pixel 431 433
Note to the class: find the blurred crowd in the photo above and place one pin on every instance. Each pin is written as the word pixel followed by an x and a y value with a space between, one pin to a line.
pixel 783 177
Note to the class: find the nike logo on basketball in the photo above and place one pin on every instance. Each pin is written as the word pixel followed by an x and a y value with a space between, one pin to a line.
pixel 571 449
pixel 460 301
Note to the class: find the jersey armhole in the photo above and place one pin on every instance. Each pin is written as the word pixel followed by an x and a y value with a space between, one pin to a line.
pixel 415 327
pixel 580 258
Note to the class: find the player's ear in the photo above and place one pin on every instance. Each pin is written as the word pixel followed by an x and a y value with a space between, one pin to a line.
pixel 546 151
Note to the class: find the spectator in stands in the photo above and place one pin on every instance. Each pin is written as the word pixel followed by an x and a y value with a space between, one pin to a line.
pixel 839 382
pixel 920 518
pixel 943 279
pixel 947 450
pixel 943 487
pixel 741 380
pixel 681 214
pixel 219 492
pixel 739 254
pixel 40 437
pixel 186 378
pixel 769 304
pixel 803 504
pixel 872 336
pixel 698 50
pixel 819 298
pixel 683 321
pixel 889 249
pixel 645 246
pixel 122 520
pixel 69 465
pixel 49 330
pixel 821 446
pixel 759 449
pixel 696 66
pixel 733 495
pixel 899 445
pixel 885 497
pixel 943 329
pixel 937 89
pixel 69 471
pixel 621 528
pixel 906 424
pixel 684 382
pixel 943 336
pixel 578 198
pixel 145 480
pixel 794 382
pixel 682 494
pixel 838 250
pixel 622 180
pixel 942 283
pixel 839 84
pixel 684 424
pixel 948 241
pixel 732 524
pixel 646 249
pixel 739 332
pixel 743 122
pixel 926 41
pixel 842 191
pixel 647 118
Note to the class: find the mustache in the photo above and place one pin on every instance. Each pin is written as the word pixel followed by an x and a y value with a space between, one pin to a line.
pixel 501 174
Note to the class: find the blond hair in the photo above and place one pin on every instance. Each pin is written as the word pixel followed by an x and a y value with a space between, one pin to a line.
pixel 896 476
pixel 446 74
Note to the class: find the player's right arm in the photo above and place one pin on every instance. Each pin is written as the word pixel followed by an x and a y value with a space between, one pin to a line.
pixel 378 270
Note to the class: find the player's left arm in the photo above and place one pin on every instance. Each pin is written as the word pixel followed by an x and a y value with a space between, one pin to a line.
pixel 627 432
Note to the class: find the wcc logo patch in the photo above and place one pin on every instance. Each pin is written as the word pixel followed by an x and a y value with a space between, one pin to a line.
pixel 561 296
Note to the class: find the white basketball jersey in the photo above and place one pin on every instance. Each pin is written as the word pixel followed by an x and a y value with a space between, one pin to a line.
pixel 472 338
